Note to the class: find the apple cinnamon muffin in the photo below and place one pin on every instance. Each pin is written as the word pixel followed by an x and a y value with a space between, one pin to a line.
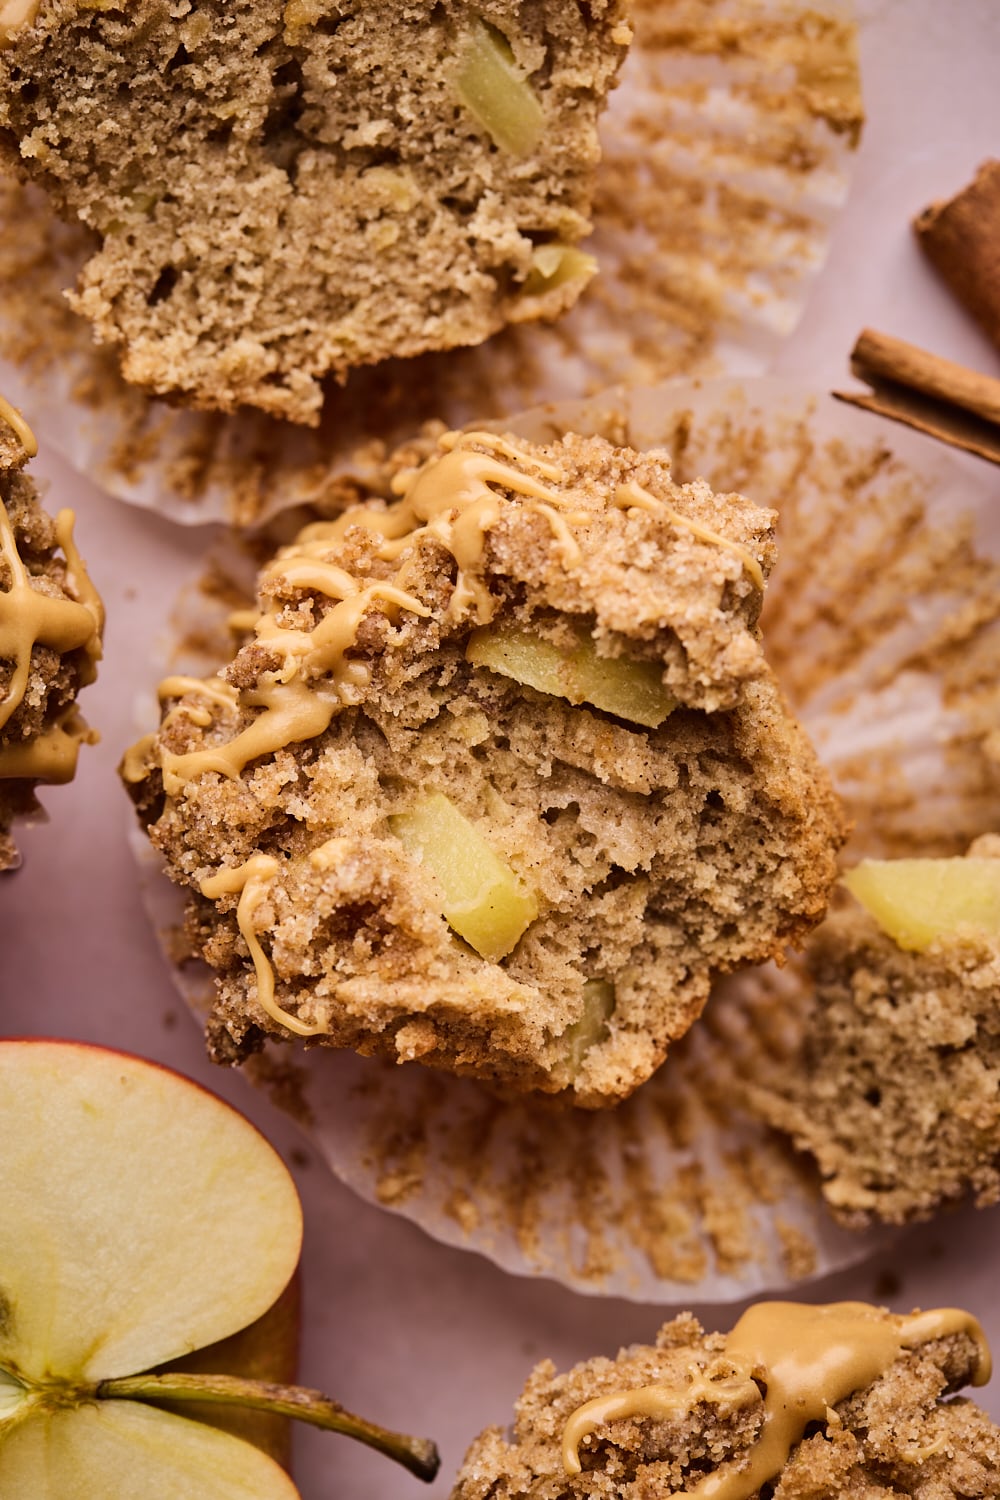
pixel 797 1402
pixel 894 1085
pixel 51 619
pixel 283 189
pixel 499 776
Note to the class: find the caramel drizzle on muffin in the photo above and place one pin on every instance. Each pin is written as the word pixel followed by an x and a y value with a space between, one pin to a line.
pixel 794 1359
pixel 451 500
pixel 454 500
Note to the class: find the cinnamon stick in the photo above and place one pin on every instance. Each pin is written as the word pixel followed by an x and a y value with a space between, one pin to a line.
pixel 961 238
pixel 934 395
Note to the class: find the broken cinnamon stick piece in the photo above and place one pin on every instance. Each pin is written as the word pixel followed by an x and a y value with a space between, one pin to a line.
pixel 879 356
pixel 937 396
pixel 961 238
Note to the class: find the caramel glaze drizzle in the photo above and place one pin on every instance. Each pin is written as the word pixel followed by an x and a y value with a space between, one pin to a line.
pixel 250 881
pixel 30 618
pixel 450 500
pixel 12 416
pixel 806 1358
pixel 632 496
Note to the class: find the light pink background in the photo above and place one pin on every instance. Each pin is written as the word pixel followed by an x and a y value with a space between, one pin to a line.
pixel 396 1326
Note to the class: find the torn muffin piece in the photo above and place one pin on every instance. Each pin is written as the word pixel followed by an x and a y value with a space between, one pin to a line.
pixel 797 1402
pixel 499 777
pixel 894 1085
pixel 51 618
pixel 285 189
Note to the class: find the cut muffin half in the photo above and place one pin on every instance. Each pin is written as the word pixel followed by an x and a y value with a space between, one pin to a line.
pixel 797 1402
pixel 895 1084
pixel 284 189
pixel 499 777
pixel 51 618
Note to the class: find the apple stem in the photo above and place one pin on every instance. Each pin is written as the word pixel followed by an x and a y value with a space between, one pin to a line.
pixel 419 1455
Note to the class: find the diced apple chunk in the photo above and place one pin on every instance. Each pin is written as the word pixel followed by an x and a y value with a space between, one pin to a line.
pixel 484 901
pixel 598 1007
pixel 617 684
pixel 494 89
pixel 917 901
pixel 553 265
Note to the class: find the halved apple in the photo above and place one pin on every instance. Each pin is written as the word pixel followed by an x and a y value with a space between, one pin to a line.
pixel 917 901
pixel 142 1219
pixel 483 899
pixel 619 685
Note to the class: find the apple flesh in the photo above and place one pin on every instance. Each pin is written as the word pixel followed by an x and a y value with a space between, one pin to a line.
pixel 482 897
pixel 591 1028
pixel 494 89
pixel 132 1451
pixel 918 901
pixel 619 685
pixel 143 1219
pixel 554 264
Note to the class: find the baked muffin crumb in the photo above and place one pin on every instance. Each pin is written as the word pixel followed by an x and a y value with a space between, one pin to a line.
pixel 893 1086
pixel 282 191
pixel 499 776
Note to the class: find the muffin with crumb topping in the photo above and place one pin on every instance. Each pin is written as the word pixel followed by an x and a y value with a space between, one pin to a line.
pixel 499 776
pixel 797 1402
pixel 50 637
pixel 286 189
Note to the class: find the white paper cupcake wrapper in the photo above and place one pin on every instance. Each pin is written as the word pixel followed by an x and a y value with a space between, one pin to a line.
pixel 883 619
pixel 727 152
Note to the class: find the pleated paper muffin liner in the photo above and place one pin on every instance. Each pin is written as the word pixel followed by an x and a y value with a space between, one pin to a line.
pixel 727 153
pixel 883 622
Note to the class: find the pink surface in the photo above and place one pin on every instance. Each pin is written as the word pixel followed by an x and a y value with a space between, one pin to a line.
pixel 405 1330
